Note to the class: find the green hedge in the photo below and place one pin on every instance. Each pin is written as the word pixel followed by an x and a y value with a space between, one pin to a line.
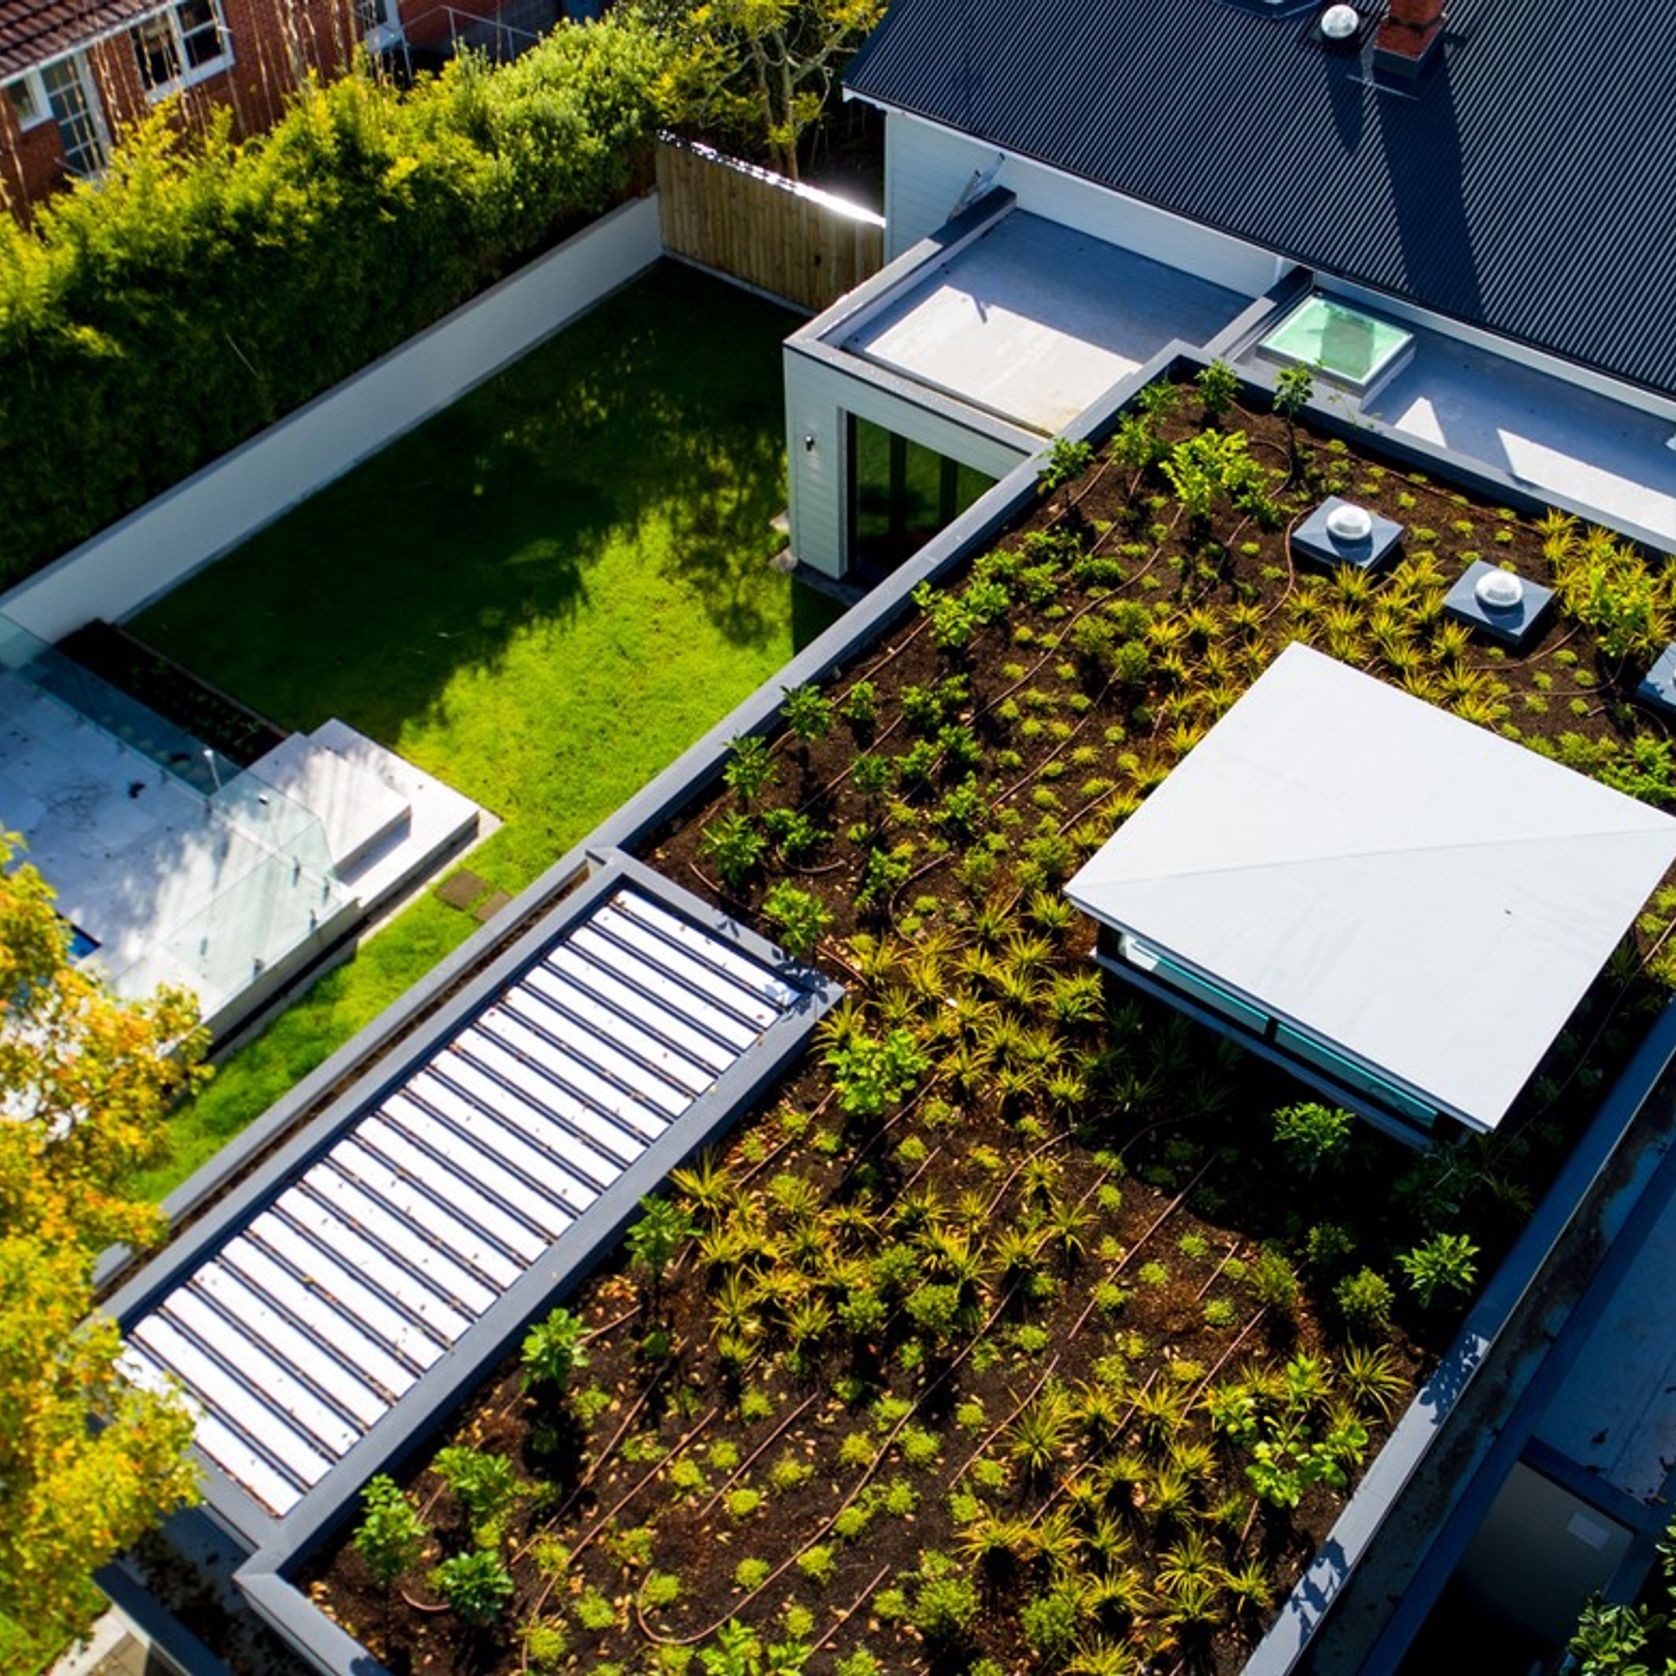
pixel 203 289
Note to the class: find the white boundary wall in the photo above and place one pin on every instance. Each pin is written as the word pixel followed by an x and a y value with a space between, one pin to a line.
pixel 115 572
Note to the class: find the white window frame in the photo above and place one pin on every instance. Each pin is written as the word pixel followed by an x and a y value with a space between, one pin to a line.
pixel 39 110
pixel 95 136
pixel 186 74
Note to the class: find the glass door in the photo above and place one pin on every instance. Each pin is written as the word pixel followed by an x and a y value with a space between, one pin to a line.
pixel 901 494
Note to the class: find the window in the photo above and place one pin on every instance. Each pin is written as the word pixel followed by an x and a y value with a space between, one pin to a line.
pixel 375 14
pixel 75 108
pixel 177 47
pixel 1148 959
pixel 28 102
pixel 1354 1074
pixel 901 493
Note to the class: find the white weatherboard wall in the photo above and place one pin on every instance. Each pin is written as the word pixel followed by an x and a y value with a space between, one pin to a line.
pixel 817 398
pixel 928 169
pixel 117 571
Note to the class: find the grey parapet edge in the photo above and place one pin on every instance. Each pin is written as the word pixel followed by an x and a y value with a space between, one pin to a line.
pixel 1357 1527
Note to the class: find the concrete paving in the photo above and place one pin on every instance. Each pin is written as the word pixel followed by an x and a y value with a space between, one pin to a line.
pixel 224 887
pixel 1032 321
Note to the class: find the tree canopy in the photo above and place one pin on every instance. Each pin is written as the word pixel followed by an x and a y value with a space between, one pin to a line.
pixel 758 71
pixel 88 1460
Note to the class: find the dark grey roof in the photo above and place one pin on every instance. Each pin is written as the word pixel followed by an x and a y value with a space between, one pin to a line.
pixel 1528 188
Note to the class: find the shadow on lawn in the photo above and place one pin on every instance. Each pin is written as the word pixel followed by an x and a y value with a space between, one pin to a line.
pixel 653 423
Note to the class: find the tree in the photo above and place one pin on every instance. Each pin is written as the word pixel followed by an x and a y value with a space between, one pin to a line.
pixel 758 70
pixel 89 1461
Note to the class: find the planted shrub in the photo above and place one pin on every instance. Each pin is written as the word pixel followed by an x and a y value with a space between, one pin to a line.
pixel 1066 461
pixel 1313 1136
pixel 391 1535
pixel 475 1586
pixel 798 917
pixel 750 769
pixel 552 1351
pixel 664 1227
pixel 1444 1263
pixel 1364 1300
pixel 483 1483
pixel 736 846
pixel 1218 385
pixel 808 713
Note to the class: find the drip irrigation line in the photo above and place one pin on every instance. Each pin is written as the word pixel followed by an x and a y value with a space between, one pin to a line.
pixel 745 1465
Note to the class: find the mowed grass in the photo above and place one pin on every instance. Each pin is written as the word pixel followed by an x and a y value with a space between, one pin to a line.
pixel 541 596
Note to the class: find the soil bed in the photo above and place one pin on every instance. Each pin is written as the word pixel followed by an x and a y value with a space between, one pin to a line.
pixel 1013 1335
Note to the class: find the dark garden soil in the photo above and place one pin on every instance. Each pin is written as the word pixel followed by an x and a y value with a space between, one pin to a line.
pixel 175 694
pixel 994 1318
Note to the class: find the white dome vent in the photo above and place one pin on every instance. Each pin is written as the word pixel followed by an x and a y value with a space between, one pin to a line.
pixel 1500 590
pixel 1350 523
pixel 1340 23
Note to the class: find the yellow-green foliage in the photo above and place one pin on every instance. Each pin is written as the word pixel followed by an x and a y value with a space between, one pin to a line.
pixel 205 288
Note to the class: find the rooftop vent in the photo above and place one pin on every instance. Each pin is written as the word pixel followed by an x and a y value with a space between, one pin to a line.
pixel 1350 523
pixel 1499 590
pixel 1339 533
pixel 1508 608
pixel 1341 23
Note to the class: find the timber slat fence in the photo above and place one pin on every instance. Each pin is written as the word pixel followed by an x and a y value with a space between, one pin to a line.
pixel 782 237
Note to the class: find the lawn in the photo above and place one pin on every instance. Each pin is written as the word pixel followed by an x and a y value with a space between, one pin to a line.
pixel 541 596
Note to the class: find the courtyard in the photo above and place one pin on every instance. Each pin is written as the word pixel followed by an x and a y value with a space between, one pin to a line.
pixel 539 597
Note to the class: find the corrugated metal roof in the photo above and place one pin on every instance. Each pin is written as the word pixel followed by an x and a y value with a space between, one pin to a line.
pixel 33 30
pixel 308 1324
pixel 1526 188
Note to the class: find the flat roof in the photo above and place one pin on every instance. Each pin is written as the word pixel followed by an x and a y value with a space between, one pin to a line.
pixel 1427 895
pixel 1032 321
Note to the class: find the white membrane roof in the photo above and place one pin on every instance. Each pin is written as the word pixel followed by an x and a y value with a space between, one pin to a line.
pixel 1426 894
pixel 1032 321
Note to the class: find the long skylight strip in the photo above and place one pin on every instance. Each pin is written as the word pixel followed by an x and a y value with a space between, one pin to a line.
pixel 674 997
pixel 544 1213
pixel 686 968
pixel 748 974
pixel 594 1070
pixel 562 1006
pixel 680 1029
pixel 565 1161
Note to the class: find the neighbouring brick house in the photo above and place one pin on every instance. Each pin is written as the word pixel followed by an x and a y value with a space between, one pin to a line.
pixel 74 73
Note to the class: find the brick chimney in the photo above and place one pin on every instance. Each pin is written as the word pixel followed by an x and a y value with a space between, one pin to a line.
pixel 1408 37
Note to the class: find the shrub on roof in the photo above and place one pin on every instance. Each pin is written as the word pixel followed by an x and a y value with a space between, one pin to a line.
pixel 204 287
